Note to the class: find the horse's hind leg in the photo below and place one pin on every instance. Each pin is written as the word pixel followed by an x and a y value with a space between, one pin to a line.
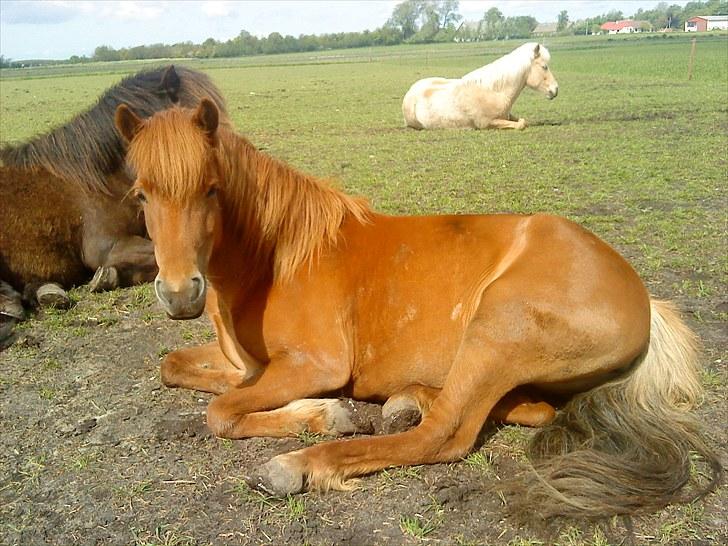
pixel 520 408
pixel 405 409
pixel 129 262
pixel 11 311
pixel 474 385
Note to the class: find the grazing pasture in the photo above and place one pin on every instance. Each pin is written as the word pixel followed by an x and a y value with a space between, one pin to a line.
pixel 96 451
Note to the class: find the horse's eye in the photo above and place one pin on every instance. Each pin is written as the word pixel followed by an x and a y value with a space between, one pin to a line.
pixel 212 191
pixel 545 67
pixel 142 198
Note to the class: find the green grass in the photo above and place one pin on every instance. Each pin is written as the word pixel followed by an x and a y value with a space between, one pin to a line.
pixel 630 148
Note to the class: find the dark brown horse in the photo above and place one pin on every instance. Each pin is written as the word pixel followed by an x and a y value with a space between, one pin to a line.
pixel 312 294
pixel 64 212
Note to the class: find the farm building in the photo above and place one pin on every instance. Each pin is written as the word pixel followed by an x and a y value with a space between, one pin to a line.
pixel 703 23
pixel 624 27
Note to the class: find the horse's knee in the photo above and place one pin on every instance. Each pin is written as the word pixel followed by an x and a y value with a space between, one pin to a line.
pixel 222 419
pixel 170 370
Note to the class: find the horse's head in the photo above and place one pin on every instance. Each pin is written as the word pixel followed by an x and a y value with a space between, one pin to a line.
pixel 540 77
pixel 177 175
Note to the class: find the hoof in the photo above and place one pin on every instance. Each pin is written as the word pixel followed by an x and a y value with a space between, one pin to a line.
pixel 6 331
pixel 105 278
pixel 10 302
pixel 400 413
pixel 354 419
pixel 277 478
pixel 52 295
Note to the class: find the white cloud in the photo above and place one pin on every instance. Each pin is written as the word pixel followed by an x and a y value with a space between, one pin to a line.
pixel 218 8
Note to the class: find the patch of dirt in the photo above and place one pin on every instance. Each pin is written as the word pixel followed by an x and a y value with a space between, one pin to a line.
pixel 97 451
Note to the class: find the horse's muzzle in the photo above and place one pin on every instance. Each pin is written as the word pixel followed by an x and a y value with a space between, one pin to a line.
pixel 183 302
pixel 552 93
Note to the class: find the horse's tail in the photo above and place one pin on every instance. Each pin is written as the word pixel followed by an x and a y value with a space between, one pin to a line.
pixel 628 444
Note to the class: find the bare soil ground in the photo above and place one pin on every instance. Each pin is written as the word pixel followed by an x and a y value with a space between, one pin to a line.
pixel 96 451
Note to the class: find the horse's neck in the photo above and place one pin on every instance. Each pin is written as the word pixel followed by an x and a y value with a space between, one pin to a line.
pixel 510 85
pixel 281 218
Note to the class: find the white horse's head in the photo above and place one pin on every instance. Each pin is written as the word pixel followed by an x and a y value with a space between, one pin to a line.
pixel 540 78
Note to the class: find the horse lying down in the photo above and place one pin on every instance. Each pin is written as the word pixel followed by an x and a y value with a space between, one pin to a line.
pixel 483 98
pixel 313 294
pixel 66 218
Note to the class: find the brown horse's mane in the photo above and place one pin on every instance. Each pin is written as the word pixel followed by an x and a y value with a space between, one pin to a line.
pixel 87 149
pixel 279 214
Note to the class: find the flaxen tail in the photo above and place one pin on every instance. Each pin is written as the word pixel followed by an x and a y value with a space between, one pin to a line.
pixel 629 444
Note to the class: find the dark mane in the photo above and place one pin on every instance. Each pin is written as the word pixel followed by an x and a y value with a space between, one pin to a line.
pixel 88 148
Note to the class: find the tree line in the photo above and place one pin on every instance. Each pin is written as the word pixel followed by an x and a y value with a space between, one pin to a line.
pixel 411 21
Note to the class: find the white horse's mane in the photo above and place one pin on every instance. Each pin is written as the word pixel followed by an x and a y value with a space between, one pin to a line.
pixel 502 72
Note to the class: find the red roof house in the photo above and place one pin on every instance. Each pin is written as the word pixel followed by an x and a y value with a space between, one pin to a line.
pixel 621 27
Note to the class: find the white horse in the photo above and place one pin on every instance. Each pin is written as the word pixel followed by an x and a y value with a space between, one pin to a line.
pixel 482 98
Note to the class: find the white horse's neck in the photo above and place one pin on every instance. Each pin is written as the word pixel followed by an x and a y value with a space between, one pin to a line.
pixel 506 75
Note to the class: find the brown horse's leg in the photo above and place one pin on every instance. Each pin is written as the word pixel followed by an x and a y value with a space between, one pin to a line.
pixel 283 380
pixel 204 368
pixel 129 262
pixel 474 385
pixel 518 408
pixel 329 416
pixel 406 408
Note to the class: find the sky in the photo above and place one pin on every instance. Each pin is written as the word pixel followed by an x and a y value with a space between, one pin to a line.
pixel 58 29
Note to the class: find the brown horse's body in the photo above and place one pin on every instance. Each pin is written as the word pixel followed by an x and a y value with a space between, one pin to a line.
pixel 385 332
pixel 312 294
pixel 64 209
pixel 56 231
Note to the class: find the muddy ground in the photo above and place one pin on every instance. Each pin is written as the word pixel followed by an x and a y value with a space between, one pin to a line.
pixel 96 451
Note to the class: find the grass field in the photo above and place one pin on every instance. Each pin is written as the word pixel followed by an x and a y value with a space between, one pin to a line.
pixel 630 148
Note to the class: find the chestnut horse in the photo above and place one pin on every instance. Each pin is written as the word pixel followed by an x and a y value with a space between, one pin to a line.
pixel 483 98
pixel 312 294
pixel 63 207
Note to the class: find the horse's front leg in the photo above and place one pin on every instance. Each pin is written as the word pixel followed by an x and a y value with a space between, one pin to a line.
pixel 204 368
pixel 130 261
pixel 518 124
pixel 284 379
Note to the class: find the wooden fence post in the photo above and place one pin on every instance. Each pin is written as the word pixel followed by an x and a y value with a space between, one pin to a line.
pixel 692 59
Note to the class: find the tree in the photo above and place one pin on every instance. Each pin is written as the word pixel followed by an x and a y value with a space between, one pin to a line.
pixel 106 53
pixel 492 27
pixel 405 17
pixel 563 21
pixel 447 12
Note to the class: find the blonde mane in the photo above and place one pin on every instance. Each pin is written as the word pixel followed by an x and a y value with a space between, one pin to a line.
pixel 279 213
pixel 507 70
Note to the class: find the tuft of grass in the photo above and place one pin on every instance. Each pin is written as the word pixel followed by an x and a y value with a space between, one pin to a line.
pixel 296 508
pixel 421 525
pixel 47 393
pixel 480 461
pixel 163 535
pixel 252 496
pixel 310 438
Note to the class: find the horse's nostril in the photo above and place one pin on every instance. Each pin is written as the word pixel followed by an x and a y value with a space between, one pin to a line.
pixel 198 282
pixel 159 289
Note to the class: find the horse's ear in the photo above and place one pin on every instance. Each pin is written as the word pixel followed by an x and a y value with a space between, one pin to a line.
pixel 127 122
pixel 171 83
pixel 207 117
pixel 537 51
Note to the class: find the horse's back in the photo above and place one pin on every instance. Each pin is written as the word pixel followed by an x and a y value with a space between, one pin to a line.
pixel 543 277
pixel 418 100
